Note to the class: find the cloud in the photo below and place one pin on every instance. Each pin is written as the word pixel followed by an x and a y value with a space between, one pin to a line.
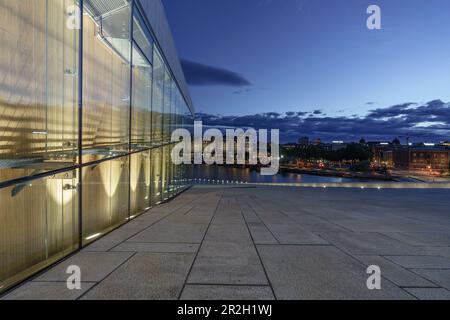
pixel 427 122
pixel 394 111
pixel 198 74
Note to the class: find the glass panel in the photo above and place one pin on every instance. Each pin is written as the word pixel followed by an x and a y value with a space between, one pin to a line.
pixel 115 29
pixel 106 83
pixel 165 175
pixel 158 99
pixel 105 197
pixel 167 106
pixel 38 87
pixel 173 175
pixel 142 102
pixel 156 167
pixel 140 182
pixel 142 36
pixel 38 225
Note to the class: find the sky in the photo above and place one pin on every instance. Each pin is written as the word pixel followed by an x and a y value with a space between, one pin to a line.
pixel 316 59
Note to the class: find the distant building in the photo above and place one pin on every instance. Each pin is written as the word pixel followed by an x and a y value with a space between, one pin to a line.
pixel 419 158
pixel 338 145
pixel 433 158
pixel 289 146
pixel 326 146
pixel 317 142
pixel 303 141
pixel 382 151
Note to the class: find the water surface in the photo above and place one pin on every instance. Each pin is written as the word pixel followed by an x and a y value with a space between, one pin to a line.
pixel 253 176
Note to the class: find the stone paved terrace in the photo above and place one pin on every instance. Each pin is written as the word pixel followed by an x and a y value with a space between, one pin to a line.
pixel 268 243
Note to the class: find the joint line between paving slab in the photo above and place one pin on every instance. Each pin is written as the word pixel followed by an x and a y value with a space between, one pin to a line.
pixel 201 244
pixel 320 218
pixel 419 275
pixel 259 256
pixel 365 265
pixel 294 245
pixel 95 285
pixel 262 221
pixel 154 223
pixel 151 242
pixel 229 285
pixel 333 223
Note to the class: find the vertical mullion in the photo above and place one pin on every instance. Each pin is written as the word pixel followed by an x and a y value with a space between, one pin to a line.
pixel 80 125
pixel 130 140
pixel 151 123
pixel 163 93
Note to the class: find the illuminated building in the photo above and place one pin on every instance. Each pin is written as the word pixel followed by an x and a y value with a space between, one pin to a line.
pixel 90 93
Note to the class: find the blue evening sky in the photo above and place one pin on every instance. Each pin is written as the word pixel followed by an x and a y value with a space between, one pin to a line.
pixel 305 55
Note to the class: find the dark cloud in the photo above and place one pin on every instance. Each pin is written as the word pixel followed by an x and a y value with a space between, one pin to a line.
pixel 393 111
pixel 198 74
pixel 427 122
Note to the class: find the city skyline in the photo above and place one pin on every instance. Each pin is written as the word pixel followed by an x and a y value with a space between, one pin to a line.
pixel 429 122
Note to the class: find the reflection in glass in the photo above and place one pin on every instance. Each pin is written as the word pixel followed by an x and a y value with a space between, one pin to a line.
pixel 140 183
pixel 106 82
pixel 167 106
pixel 38 89
pixel 156 167
pixel 141 102
pixel 158 99
pixel 142 36
pixel 105 197
pixel 38 225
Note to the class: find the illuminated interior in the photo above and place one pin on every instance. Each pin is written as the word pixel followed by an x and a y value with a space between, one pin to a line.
pixel 57 195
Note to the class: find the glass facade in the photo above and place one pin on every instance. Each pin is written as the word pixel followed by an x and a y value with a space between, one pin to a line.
pixel 87 107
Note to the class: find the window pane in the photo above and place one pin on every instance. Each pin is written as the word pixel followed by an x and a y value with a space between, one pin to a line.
pixel 158 99
pixel 142 37
pixel 105 197
pixel 106 83
pixel 167 106
pixel 165 175
pixel 140 182
pixel 156 160
pixel 39 87
pixel 142 102
pixel 38 225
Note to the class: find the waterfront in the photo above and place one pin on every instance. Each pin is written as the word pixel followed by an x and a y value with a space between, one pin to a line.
pixel 247 175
